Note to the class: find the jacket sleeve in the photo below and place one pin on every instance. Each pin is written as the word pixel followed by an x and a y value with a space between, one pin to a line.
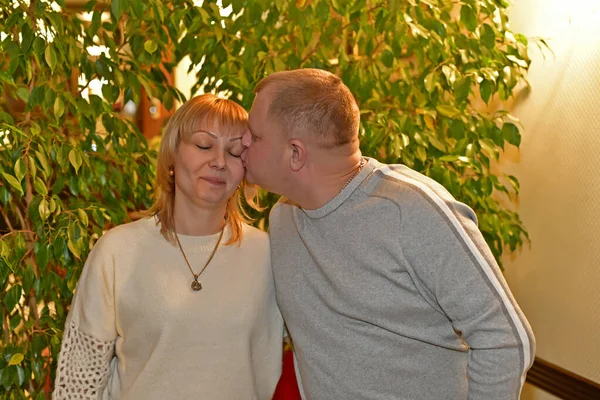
pixel 90 334
pixel 457 272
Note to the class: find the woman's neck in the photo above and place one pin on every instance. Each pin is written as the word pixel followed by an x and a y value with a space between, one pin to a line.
pixel 201 222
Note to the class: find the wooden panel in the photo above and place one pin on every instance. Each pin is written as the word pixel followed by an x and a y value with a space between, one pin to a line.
pixel 562 383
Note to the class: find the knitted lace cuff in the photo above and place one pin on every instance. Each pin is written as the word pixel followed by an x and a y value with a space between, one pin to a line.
pixel 83 366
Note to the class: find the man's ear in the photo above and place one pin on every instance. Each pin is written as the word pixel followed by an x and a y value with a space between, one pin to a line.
pixel 298 158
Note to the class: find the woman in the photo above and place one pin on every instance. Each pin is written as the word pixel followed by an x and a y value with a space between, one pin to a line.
pixel 180 304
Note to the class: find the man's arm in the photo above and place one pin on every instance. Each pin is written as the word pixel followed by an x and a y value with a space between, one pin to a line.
pixel 457 271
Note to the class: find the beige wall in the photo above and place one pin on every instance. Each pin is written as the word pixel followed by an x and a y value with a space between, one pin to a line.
pixel 557 280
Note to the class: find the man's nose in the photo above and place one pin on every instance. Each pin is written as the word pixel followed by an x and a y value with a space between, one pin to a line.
pixel 246 139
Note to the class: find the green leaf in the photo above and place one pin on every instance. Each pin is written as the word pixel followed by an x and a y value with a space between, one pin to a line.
pixel 6 377
pixel 44 210
pixel 23 94
pixel 421 153
pixel 488 37
pixel 35 128
pixel 74 249
pixel 117 7
pixel 50 57
pixel 13 182
pixel 74 232
pixel 16 359
pixel 387 58
pixel 12 297
pixel 75 159
pixel 83 217
pixel 42 255
pixel 44 162
pixel 110 93
pixel 515 183
pixel 450 158
pixel 40 186
pixel 430 82
pixel 37 96
pixel 59 107
pixel 20 375
pixel 518 61
pixel 468 17
pixel 59 245
pixel 511 134
pixel 447 110
pixel 485 90
pixel 28 36
pixel 95 25
pixel 462 89
pixel 490 148
pixel 279 64
pixel 19 169
pixel 4 196
pixel 150 46
pixel 39 45
pixel 61 157
pixel 4 251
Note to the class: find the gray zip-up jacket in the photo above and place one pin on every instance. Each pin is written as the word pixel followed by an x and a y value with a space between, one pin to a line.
pixel 389 291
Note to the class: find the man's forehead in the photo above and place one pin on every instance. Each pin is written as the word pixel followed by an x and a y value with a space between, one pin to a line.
pixel 260 106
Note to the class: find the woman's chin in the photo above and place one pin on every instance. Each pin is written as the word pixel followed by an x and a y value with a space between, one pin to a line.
pixel 214 200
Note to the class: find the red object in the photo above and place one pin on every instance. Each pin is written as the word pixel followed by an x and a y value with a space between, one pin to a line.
pixel 287 387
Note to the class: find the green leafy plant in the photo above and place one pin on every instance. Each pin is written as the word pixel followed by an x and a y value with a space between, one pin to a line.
pixel 422 73
pixel 73 164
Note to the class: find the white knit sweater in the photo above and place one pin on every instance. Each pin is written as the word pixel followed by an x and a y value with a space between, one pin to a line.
pixel 136 330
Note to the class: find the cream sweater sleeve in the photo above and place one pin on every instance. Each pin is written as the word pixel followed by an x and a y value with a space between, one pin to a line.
pixel 90 333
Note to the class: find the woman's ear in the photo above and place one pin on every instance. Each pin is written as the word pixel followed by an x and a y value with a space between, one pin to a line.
pixel 298 158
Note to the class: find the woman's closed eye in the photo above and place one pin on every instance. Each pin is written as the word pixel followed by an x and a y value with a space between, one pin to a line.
pixel 203 147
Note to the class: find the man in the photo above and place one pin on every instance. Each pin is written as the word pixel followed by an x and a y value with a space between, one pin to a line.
pixel 388 288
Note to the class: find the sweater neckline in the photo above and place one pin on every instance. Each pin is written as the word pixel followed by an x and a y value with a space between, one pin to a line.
pixel 345 193
pixel 193 244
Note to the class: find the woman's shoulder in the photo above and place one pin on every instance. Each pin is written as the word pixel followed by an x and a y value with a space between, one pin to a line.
pixel 129 233
pixel 254 232
pixel 254 236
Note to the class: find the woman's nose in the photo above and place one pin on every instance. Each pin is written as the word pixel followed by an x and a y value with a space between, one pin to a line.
pixel 218 160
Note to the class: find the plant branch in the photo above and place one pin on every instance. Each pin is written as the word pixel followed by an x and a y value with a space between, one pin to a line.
pixel 33 306
pixel 314 50
pixel 87 84
pixel 6 326
pixel 7 220
pixel 24 224
pixel 13 231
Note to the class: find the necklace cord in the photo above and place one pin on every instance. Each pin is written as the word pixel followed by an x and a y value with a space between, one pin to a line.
pixel 209 258
pixel 360 167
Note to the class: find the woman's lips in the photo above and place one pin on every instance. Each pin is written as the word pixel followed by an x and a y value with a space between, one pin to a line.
pixel 213 181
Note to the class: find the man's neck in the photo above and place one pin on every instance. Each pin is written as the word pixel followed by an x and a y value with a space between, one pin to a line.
pixel 325 180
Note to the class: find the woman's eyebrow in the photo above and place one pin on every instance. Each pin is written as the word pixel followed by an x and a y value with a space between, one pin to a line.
pixel 207 132
pixel 214 135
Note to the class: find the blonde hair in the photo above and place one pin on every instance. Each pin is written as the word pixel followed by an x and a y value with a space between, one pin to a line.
pixel 313 101
pixel 209 112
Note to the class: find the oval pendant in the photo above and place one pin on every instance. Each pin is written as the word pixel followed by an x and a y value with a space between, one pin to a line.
pixel 196 285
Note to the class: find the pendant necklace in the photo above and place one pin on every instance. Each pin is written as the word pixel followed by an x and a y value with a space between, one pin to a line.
pixel 196 285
